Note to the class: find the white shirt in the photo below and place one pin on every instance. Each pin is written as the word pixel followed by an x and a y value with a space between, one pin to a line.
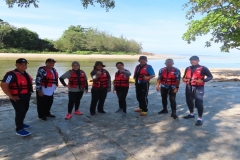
pixel 49 90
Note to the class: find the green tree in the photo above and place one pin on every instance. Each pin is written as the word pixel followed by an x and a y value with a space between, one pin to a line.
pixel 221 18
pixel 5 28
pixel 107 4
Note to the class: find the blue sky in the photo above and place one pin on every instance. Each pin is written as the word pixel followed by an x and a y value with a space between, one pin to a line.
pixel 157 24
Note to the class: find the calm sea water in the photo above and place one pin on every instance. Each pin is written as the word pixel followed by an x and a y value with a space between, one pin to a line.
pixel 180 61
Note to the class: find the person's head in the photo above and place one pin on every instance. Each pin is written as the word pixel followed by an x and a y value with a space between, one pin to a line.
pixel 99 65
pixel 21 64
pixel 169 63
pixel 142 60
pixel 50 63
pixel 75 65
pixel 194 60
pixel 120 65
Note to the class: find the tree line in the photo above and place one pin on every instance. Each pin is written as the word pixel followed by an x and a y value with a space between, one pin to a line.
pixel 74 39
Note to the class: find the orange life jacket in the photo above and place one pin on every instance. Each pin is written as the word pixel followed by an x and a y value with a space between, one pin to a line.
pixel 143 72
pixel 50 78
pixel 76 80
pixel 195 76
pixel 168 78
pixel 101 81
pixel 21 84
pixel 121 80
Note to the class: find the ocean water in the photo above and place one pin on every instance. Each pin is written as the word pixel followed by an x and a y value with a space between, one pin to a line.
pixel 181 61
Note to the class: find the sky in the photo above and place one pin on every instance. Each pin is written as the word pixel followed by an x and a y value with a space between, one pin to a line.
pixel 157 24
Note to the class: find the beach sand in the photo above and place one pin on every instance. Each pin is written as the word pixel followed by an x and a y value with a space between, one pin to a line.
pixel 61 57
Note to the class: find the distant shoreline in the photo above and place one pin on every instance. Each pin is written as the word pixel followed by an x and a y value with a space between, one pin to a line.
pixel 68 57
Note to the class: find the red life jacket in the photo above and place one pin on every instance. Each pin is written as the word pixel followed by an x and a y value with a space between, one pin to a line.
pixel 195 76
pixel 75 80
pixel 121 80
pixel 50 78
pixel 21 84
pixel 168 78
pixel 143 72
pixel 101 81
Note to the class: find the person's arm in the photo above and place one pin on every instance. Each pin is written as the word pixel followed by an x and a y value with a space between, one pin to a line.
pixel 94 74
pixel 178 77
pixel 109 81
pixel 158 88
pixel 208 74
pixel 8 78
pixel 150 72
pixel 39 77
pixel 64 76
pixel 126 72
pixel 86 83
pixel 183 78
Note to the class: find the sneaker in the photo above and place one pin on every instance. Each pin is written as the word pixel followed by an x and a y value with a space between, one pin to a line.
pixel 43 119
pixel 101 112
pixel 22 133
pixel 68 116
pixel 138 110
pixel 199 122
pixel 124 114
pixel 119 110
pixel 143 113
pixel 26 126
pixel 163 111
pixel 78 112
pixel 51 116
pixel 189 116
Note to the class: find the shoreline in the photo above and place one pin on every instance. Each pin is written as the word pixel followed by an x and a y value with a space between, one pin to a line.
pixel 67 57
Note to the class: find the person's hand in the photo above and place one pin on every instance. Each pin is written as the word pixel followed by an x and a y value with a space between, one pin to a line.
pixel 175 90
pixel 114 91
pixel 40 93
pixel 185 79
pixel 199 81
pixel 99 72
pixel 158 88
pixel 109 90
pixel 67 86
pixel 86 91
pixel 14 98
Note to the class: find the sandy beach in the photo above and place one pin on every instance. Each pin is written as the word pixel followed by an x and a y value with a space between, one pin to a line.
pixel 64 57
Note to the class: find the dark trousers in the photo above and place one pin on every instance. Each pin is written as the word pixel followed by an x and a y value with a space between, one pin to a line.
pixel 74 99
pixel 44 105
pixel 197 95
pixel 165 92
pixel 21 107
pixel 122 94
pixel 98 97
pixel 142 95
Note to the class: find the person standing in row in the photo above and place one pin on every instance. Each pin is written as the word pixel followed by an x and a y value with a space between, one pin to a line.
pixel 169 79
pixel 46 84
pixel 194 77
pixel 17 85
pixel 77 84
pixel 142 75
pixel 100 87
pixel 121 86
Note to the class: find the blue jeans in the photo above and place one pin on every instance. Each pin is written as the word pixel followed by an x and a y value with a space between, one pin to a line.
pixel 195 93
